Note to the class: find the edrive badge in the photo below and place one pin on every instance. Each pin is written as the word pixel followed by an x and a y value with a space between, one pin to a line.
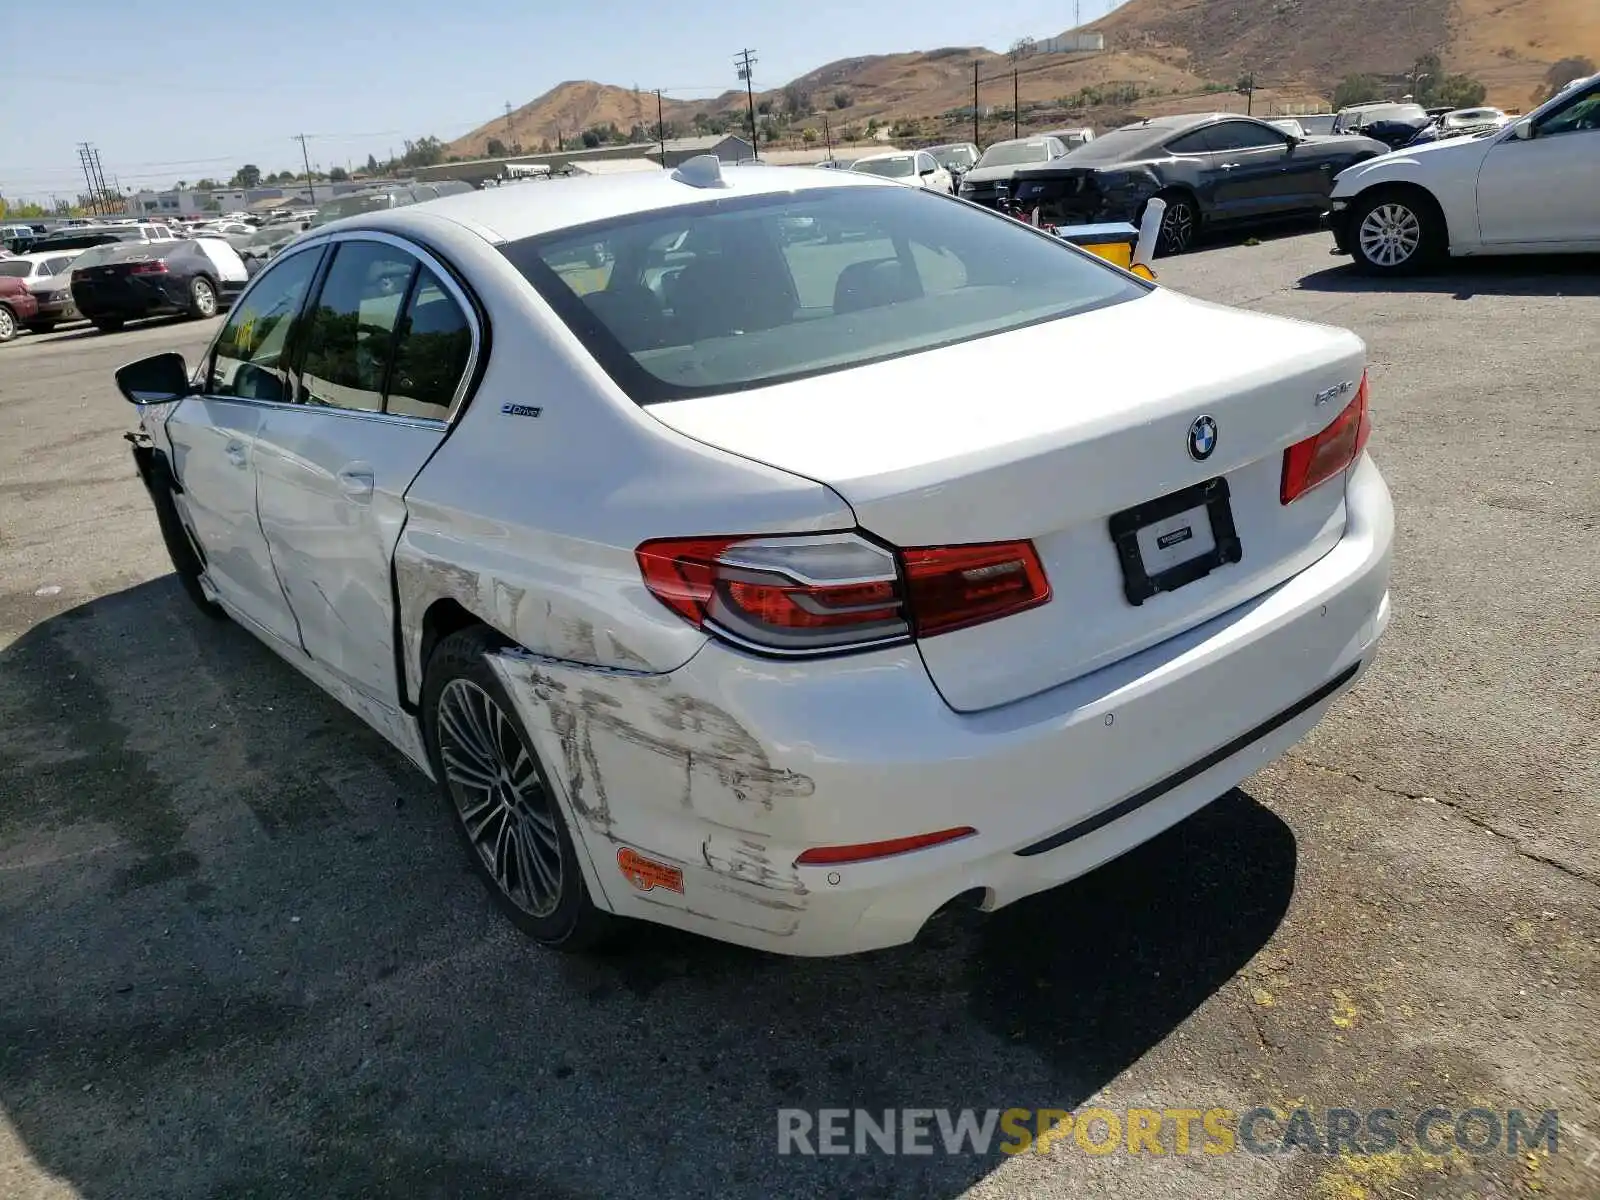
pixel 1202 438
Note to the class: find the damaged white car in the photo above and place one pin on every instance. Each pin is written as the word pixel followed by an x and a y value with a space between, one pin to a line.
pixel 786 589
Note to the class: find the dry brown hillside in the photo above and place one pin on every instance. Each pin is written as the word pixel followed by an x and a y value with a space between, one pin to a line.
pixel 1508 44
pixel 1170 50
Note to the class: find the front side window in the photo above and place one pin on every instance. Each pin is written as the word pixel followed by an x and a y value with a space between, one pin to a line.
pixel 251 358
pixel 729 294
pixel 349 335
pixel 1579 115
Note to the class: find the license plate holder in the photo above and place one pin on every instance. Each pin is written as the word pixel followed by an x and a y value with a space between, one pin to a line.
pixel 1187 535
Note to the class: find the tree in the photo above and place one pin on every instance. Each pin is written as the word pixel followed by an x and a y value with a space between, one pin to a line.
pixel 516 147
pixel 1562 73
pixel 1459 91
pixel 338 175
pixel 1020 49
pixel 1357 89
pixel 764 107
pixel 591 139
pixel 424 152
pixel 495 149
pixel 207 185
pixel 372 164
pixel 841 99
pixel 247 176
pixel 796 101
pixel 808 136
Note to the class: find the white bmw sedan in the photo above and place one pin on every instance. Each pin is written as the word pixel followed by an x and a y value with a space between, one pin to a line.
pixel 787 590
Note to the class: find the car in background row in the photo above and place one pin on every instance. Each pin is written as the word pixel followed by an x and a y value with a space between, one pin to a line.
pixel 956 157
pixel 1080 135
pixel 1210 169
pixel 1459 122
pixel 48 277
pixel 1392 124
pixel 379 198
pixel 916 168
pixel 1526 189
pixel 84 236
pixel 997 170
pixel 196 276
pixel 18 308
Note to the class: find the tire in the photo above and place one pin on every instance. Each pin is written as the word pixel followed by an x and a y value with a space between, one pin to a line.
pixel 108 324
pixel 42 327
pixel 8 324
pixel 1179 226
pixel 470 727
pixel 1396 232
pixel 186 562
pixel 202 298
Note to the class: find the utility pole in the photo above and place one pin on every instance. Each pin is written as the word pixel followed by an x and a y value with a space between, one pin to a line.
pixel 975 102
pixel 747 73
pixel 508 124
pixel 88 177
pixel 661 128
pixel 305 157
pixel 1016 107
pixel 827 137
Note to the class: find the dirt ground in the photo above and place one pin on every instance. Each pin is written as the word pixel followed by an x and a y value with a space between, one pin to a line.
pixel 243 956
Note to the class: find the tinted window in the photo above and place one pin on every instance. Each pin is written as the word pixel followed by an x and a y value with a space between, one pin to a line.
pixel 1190 143
pixel 1009 154
pixel 715 298
pixel 1242 135
pixel 889 168
pixel 431 355
pixel 16 268
pixel 251 354
pixel 1580 115
pixel 350 332
pixel 55 266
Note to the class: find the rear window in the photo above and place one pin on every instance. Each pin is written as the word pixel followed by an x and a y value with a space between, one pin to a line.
pixel 16 267
pixel 1009 154
pixel 738 293
pixel 889 168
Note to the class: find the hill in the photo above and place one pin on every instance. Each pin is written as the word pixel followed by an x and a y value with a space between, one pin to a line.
pixel 1507 44
pixel 1161 55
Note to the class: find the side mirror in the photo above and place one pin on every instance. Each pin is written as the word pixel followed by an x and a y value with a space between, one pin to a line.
pixel 159 379
pixel 1522 130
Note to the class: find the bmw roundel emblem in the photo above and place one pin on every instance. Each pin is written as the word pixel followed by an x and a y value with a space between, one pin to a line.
pixel 1202 438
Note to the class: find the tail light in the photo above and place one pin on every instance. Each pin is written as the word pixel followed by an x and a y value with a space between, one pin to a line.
pixel 148 268
pixel 821 593
pixel 1320 457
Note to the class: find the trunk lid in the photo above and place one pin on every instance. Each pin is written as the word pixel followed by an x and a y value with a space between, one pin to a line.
pixel 1049 432
pixel 1063 196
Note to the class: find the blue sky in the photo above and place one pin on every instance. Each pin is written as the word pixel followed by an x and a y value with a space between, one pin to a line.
pixel 182 92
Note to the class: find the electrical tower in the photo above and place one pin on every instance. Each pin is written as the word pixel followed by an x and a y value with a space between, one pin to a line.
pixel 93 177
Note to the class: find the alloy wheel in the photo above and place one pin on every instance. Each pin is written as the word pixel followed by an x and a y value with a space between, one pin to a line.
pixel 205 300
pixel 501 798
pixel 1177 227
pixel 8 325
pixel 1390 235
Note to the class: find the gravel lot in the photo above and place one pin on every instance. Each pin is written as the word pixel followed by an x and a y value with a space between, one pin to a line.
pixel 243 955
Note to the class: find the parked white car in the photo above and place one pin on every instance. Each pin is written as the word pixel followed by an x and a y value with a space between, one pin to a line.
pixel 1529 188
pixel 705 590
pixel 915 167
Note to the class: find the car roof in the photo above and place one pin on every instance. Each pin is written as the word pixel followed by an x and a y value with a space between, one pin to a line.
pixel 510 214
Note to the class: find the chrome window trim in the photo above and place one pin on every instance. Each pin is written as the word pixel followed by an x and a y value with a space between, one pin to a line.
pixel 447 280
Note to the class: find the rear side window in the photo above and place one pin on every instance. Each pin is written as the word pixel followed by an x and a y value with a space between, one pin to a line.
pixel 741 293
pixel 1243 135
pixel 349 336
pixel 431 353
pixel 1190 143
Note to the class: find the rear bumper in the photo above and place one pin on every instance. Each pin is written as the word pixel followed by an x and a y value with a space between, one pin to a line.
pixel 56 310
pixel 730 767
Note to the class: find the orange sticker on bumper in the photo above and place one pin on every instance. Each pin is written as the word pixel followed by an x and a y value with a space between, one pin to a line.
pixel 646 874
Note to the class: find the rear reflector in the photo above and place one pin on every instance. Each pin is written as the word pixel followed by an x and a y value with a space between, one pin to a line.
pixel 824 856
pixel 1319 458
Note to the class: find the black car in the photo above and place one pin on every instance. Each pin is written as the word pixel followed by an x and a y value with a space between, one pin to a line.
pixel 1209 168
pixel 124 283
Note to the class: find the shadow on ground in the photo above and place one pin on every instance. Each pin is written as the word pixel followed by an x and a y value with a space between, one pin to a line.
pixel 1462 279
pixel 236 967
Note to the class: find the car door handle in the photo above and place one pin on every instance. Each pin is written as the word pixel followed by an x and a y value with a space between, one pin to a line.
pixel 356 482
pixel 1231 166
pixel 236 453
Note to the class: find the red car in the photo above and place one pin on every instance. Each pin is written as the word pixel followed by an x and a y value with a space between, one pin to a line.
pixel 17 307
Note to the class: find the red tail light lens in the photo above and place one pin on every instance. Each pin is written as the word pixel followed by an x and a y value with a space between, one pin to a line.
pixel 952 587
pixel 821 593
pixel 148 268
pixel 1318 459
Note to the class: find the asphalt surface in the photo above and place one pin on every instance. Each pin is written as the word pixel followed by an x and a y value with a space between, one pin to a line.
pixel 241 954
